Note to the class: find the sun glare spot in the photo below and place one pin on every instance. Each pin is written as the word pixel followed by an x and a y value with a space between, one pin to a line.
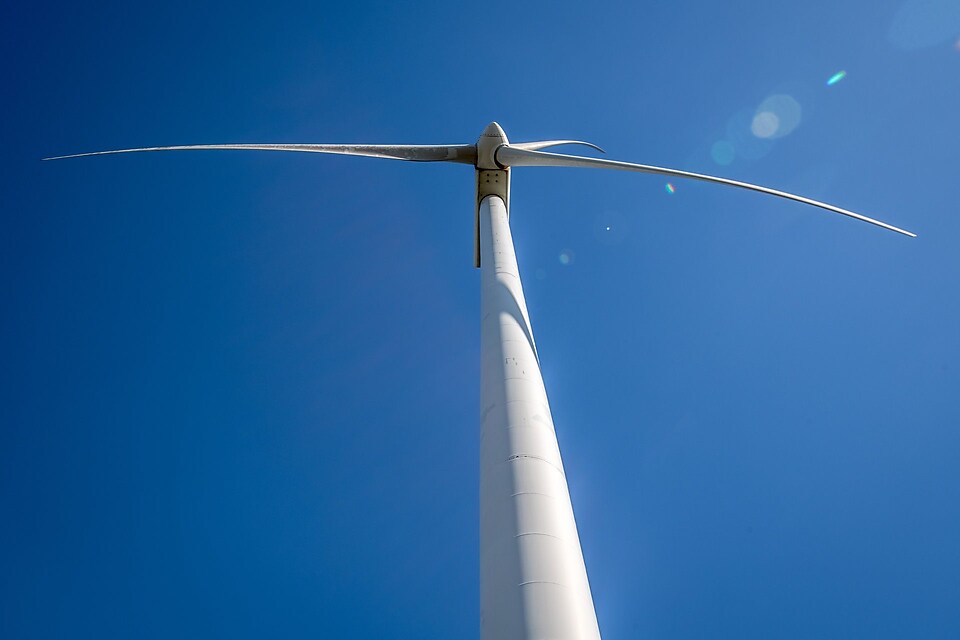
pixel 670 188
pixel 566 257
pixel 776 117
pixel 765 124
pixel 837 77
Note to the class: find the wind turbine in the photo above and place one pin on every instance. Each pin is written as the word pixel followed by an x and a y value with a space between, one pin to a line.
pixel 533 581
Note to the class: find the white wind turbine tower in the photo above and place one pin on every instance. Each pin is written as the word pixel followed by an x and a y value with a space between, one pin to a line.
pixel 533 582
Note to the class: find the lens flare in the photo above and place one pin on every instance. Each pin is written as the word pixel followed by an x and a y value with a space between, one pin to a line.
pixel 670 188
pixel 837 77
pixel 777 116
pixel 765 124
pixel 722 152
pixel 566 257
pixel 924 23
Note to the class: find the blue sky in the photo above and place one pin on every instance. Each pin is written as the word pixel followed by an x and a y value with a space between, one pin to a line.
pixel 240 390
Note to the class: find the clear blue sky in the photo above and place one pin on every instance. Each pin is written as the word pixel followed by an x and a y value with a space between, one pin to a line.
pixel 240 390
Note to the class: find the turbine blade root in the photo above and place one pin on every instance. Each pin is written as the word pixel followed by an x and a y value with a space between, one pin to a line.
pixel 515 156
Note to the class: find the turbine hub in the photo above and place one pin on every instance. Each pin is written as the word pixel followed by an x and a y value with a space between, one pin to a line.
pixel 490 140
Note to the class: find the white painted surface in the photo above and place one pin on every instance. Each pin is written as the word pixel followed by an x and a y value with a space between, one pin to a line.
pixel 526 156
pixel 533 583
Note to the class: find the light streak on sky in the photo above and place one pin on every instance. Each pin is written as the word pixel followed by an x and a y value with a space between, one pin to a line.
pixel 837 77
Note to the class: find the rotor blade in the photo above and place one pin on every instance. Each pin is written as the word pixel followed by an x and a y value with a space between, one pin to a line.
pixel 543 144
pixel 511 156
pixel 462 153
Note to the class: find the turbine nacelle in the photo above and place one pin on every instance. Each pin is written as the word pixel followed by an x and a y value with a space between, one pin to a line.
pixel 492 138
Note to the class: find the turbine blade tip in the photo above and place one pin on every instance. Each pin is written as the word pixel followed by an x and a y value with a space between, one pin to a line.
pixel 74 155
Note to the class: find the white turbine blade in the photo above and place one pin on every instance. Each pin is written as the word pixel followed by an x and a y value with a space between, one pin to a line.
pixel 462 153
pixel 511 156
pixel 543 144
